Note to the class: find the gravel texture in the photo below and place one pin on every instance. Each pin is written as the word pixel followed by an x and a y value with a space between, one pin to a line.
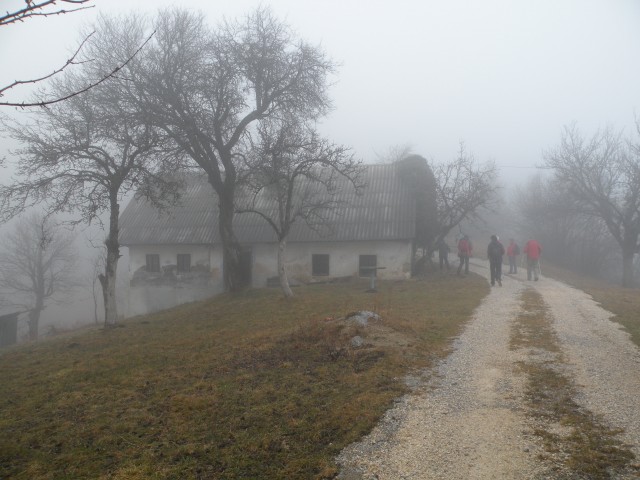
pixel 605 364
pixel 466 418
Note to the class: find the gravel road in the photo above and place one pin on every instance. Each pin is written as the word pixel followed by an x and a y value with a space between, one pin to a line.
pixel 468 420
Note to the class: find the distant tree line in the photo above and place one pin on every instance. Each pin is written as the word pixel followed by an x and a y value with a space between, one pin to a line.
pixel 587 212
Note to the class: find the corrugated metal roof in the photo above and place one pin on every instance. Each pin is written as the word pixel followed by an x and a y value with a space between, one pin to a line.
pixel 384 211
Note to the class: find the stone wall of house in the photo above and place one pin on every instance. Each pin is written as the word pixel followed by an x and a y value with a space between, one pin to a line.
pixel 394 256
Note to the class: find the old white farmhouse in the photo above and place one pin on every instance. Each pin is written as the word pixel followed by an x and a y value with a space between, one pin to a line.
pixel 176 257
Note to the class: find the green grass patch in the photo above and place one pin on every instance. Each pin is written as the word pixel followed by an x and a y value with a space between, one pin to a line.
pixel 240 386
pixel 623 302
pixel 577 443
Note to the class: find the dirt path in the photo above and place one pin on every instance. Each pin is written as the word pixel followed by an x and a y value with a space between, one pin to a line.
pixel 470 420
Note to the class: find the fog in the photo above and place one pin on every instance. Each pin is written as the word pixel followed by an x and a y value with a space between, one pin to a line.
pixel 502 76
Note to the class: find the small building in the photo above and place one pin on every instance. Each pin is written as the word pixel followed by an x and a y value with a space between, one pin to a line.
pixel 9 329
pixel 175 256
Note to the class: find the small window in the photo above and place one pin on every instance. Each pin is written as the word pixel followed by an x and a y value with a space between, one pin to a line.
pixel 153 262
pixel 320 265
pixel 184 262
pixel 367 266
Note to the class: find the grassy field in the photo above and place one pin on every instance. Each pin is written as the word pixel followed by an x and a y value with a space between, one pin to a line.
pixel 246 386
pixel 623 302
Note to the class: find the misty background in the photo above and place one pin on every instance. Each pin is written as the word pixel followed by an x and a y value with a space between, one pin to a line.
pixel 502 76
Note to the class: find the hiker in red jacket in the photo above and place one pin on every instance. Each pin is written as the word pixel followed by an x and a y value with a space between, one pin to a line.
pixel 532 250
pixel 464 252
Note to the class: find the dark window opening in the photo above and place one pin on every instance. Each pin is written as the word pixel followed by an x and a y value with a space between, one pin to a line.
pixel 320 264
pixel 184 263
pixel 153 262
pixel 367 266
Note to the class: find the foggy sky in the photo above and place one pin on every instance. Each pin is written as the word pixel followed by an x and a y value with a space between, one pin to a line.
pixel 504 76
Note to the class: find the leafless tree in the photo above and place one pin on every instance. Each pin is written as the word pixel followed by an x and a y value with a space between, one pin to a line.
pixel 42 8
pixel 293 178
pixel 83 156
pixel 545 210
pixel 91 281
pixel 602 174
pixel 208 90
pixel 47 8
pixel 36 264
pixel 463 187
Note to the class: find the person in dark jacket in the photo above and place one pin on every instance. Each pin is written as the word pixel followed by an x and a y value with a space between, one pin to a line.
pixel 443 254
pixel 495 252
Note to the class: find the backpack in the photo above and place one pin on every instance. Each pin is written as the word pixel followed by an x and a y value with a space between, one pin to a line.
pixel 516 249
pixel 496 250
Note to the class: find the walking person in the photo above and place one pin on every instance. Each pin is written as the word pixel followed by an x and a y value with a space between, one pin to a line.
pixel 443 254
pixel 533 250
pixel 513 250
pixel 495 252
pixel 464 252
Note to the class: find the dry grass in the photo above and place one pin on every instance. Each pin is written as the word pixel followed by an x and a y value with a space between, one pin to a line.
pixel 246 386
pixel 578 444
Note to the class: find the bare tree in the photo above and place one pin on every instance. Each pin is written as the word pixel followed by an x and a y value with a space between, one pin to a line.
pixel 84 155
pixel 36 264
pixel 293 178
pixel 47 8
pixel 208 89
pixel 545 210
pixel 602 174
pixel 91 281
pixel 463 188
pixel 43 8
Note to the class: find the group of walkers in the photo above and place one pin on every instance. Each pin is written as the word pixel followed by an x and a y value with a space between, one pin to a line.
pixel 495 254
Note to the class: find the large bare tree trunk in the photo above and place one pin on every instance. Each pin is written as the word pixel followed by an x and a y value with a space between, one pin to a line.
pixel 282 271
pixel 34 322
pixel 230 246
pixel 108 280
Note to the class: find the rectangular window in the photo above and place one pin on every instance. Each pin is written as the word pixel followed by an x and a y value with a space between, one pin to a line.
pixel 367 265
pixel 320 265
pixel 153 262
pixel 184 262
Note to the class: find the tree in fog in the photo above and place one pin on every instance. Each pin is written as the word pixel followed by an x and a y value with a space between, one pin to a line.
pixel 544 209
pixel 292 177
pixel 208 90
pixel 602 175
pixel 84 155
pixel 463 188
pixel 36 264
pixel 34 9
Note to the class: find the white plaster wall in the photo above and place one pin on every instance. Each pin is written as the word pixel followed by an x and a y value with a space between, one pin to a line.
pixel 395 256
